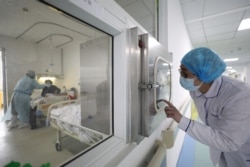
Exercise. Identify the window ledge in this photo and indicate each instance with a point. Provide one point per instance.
(110, 153)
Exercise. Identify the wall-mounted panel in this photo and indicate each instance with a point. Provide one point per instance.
(155, 83)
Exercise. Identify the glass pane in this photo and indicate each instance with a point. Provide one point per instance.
(156, 82)
(162, 90)
(163, 80)
(77, 58)
(96, 84)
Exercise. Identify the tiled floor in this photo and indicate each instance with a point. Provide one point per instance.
(194, 154)
(35, 147)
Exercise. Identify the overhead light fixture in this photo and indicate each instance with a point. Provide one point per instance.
(43, 78)
(229, 68)
(231, 59)
(232, 71)
(245, 24)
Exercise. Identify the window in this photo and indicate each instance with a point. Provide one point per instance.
(79, 58)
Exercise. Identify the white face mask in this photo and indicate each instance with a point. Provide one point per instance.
(188, 83)
(48, 85)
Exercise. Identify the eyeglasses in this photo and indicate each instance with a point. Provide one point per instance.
(185, 74)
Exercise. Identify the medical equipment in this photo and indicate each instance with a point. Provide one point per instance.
(66, 117)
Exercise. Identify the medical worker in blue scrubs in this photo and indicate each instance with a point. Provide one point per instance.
(223, 104)
(20, 103)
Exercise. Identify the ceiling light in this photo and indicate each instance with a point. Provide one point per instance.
(229, 68)
(232, 71)
(231, 59)
(43, 78)
(245, 24)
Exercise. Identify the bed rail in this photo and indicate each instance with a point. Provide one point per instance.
(81, 133)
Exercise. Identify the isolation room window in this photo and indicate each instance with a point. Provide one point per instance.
(77, 57)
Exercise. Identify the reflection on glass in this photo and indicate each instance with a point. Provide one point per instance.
(96, 84)
(162, 91)
(156, 79)
(163, 80)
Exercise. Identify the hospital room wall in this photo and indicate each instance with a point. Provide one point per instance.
(71, 67)
(22, 56)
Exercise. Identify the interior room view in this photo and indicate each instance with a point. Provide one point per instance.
(86, 83)
(76, 57)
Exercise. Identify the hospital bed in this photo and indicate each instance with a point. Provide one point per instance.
(39, 105)
(44, 103)
(66, 117)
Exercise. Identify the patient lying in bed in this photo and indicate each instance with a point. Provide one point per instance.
(70, 113)
(67, 118)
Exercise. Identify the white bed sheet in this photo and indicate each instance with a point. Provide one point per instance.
(70, 113)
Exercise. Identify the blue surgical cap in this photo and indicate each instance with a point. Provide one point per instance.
(204, 63)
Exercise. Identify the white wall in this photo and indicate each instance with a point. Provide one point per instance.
(178, 43)
(22, 56)
(71, 56)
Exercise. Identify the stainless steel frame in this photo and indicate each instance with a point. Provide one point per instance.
(155, 60)
(148, 62)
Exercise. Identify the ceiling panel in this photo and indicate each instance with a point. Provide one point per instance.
(219, 21)
(192, 9)
(223, 19)
(226, 28)
(217, 37)
(194, 26)
(245, 34)
(218, 6)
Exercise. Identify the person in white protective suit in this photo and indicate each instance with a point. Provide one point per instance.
(20, 102)
(223, 105)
